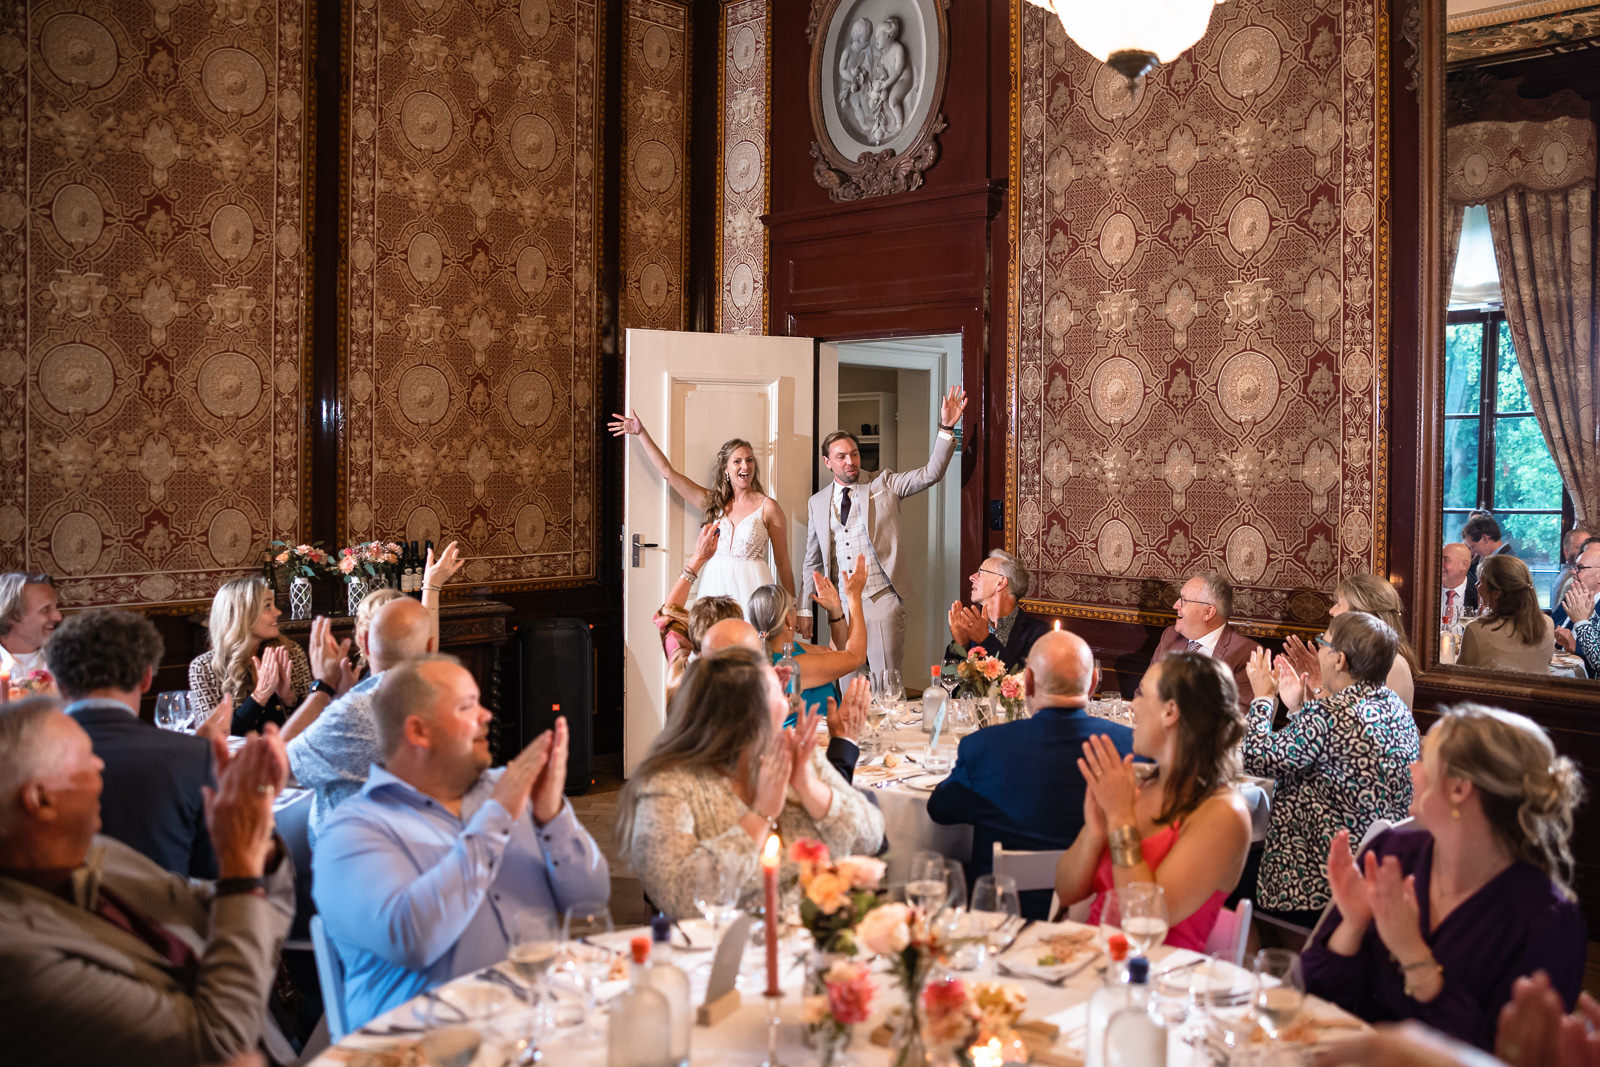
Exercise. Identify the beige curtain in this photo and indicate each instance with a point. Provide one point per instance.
(1454, 217)
(1538, 182)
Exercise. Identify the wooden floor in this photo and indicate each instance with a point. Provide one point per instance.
(597, 810)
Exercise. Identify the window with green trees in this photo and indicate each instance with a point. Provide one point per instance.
(1495, 457)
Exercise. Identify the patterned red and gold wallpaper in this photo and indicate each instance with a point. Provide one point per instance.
(742, 181)
(473, 210)
(151, 290)
(1199, 358)
(655, 174)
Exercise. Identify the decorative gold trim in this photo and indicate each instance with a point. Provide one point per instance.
(1014, 279)
(1513, 12)
(308, 270)
(722, 158)
(1382, 296)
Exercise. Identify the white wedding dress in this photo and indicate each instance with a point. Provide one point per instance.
(739, 566)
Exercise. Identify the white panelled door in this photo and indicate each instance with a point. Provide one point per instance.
(693, 391)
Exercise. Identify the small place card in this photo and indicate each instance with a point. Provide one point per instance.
(722, 996)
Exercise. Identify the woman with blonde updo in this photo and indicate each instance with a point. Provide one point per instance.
(1442, 916)
(249, 660)
(1512, 634)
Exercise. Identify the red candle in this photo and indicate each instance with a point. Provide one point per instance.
(770, 857)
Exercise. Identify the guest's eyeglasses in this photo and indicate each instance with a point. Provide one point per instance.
(992, 574)
(1190, 600)
(1586, 567)
(1323, 641)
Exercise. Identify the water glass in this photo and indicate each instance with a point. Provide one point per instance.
(927, 885)
(894, 690)
(1143, 910)
(591, 962)
(716, 894)
(996, 902)
(535, 943)
(1280, 989)
(175, 710)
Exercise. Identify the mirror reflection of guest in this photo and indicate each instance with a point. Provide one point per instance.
(1571, 544)
(1583, 636)
(1457, 594)
(1512, 634)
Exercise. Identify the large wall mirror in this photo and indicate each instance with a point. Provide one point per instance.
(1511, 102)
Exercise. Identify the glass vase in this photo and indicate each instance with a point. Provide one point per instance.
(300, 598)
(908, 1047)
(356, 589)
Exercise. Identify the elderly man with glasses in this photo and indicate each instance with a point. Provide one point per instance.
(995, 621)
(1581, 634)
(1204, 606)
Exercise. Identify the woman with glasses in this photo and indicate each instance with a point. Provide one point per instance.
(1340, 763)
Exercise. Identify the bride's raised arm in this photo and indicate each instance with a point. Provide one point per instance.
(692, 492)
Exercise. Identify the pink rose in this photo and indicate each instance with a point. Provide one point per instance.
(809, 852)
(1010, 687)
(977, 654)
(862, 872)
(304, 550)
(348, 565)
(948, 1012)
(850, 991)
(993, 668)
(886, 930)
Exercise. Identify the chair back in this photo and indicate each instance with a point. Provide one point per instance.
(330, 973)
(1230, 933)
(1030, 870)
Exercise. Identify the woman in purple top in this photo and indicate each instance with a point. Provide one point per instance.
(1445, 914)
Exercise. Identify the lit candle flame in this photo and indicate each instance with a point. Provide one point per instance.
(989, 1054)
(1058, 624)
(772, 852)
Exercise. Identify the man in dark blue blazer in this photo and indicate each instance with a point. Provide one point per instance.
(1018, 783)
(103, 662)
(995, 621)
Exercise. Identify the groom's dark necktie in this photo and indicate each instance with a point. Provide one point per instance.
(844, 509)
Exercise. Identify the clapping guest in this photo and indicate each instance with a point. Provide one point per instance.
(106, 957)
(249, 660)
(1187, 829)
(103, 662)
(334, 754)
(418, 877)
(1339, 763)
(1378, 598)
(30, 611)
(1512, 634)
(772, 612)
(1572, 543)
(1204, 606)
(1439, 920)
(996, 621)
(1582, 633)
(435, 573)
(721, 771)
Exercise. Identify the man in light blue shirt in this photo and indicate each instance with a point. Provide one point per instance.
(419, 876)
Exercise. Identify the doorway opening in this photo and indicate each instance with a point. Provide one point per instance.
(889, 394)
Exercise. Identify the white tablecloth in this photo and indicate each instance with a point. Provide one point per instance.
(742, 1036)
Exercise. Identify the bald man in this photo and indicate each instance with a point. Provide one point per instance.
(1018, 783)
(731, 633)
(333, 756)
(1458, 593)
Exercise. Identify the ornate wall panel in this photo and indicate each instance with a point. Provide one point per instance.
(742, 181)
(1199, 307)
(472, 214)
(655, 189)
(151, 292)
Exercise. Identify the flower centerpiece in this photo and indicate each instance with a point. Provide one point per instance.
(1013, 699)
(366, 566)
(834, 897)
(962, 1019)
(303, 563)
(979, 673)
(903, 935)
(35, 682)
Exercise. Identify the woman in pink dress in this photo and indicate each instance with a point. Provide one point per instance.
(1185, 828)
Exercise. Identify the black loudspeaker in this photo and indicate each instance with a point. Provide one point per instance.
(558, 679)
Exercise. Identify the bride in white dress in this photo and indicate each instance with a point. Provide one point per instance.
(748, 521)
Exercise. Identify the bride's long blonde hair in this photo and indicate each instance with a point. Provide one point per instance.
(720, 496)
(234, 611)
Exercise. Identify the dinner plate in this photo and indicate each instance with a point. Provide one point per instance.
(925, 782)
(1023, 958)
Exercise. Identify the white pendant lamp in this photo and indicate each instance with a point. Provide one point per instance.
(1132, 37)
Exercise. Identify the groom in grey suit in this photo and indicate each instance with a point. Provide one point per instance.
(847, 518)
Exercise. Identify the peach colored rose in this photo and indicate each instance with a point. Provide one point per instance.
(828, 891)
(885, 930)
(282, 557)
(348, 565)
(993, 668)
(862, 872)
(978, 653)
(814, 1009)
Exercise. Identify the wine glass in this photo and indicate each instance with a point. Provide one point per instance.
(928, 885)
(716, 893)
(1280, 989)
(174, 710)
(581, 924)
(535, 939)
(894, 690)
(996, 901)
(1143, 908)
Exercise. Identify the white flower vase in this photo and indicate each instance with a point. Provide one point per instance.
(356, 589)
(300, 598)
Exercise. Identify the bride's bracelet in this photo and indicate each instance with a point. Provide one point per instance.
(689, 575)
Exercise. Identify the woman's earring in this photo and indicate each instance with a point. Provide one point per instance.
(1455, 813)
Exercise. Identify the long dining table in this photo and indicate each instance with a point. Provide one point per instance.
(489, 1003)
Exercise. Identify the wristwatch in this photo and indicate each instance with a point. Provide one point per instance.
(229, 887)
(319, 686)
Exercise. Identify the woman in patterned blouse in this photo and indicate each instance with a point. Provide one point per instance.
(1340, 763)
(721, 772)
